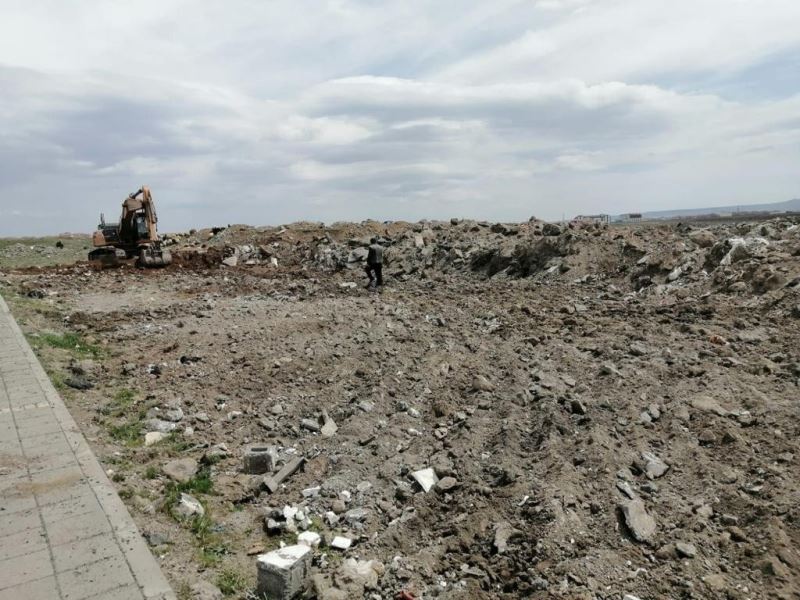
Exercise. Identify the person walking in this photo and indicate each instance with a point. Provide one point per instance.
(374, 266)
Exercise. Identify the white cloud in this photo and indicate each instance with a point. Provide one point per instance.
(267, 112)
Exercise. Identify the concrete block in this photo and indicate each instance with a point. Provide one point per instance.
(285, 573)
(260, 459)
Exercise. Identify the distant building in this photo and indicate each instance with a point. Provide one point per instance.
(634, 217)
(592, 219)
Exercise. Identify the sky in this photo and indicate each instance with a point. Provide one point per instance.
(267, 112)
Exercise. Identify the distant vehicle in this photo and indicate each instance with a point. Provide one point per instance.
(135, 236)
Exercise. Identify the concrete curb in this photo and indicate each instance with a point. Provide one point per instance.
(143, 566)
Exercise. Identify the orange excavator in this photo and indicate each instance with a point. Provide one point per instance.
(135, 236)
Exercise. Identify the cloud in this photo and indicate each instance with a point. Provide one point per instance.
(269, 112)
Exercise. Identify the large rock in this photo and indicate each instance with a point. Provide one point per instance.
(284, 573)
(641, 525)
(551, 229)
(160, 425)
(651, 465)
(481, 384)
(187, 507)
(181, 469)
(703, 238)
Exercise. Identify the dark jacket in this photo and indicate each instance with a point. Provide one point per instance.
(375, 255)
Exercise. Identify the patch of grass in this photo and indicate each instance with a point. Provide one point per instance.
(210, 556)
(201, 527)
(128, 433)
(230, 582)
(118, 477)
(57, 379)
(175, 444)
(125, 493)
(42, 251)
(120, 404)
(72, 342)
(199, 484)
(151, 472)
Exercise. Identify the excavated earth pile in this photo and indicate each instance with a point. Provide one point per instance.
(524, 411)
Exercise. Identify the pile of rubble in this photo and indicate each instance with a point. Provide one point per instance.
(738, 257)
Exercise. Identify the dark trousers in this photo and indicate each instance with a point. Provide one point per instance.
(375, 272)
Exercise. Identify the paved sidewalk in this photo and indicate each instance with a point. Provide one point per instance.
(64, 532)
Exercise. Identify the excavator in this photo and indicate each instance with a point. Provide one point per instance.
(135, 236)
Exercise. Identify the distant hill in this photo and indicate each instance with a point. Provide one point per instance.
(774, 207)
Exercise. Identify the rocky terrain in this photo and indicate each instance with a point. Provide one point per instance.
(524, 411)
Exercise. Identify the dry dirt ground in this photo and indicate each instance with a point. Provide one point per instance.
(608, 411)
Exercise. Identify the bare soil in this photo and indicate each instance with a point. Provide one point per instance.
(549, 381)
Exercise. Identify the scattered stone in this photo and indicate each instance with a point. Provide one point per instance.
(356, 516)
(737, 535)
(153, 437)
(188, 506)
(640, 524)
(504, 532)
(426, 478)
(551, 229)
(160, 425)
(78, 382)
(271, 484)
(181, 470)
(481, 384)
(577, 407)
(203, 590)
(652, 466)
(329, 427)
(686, 550)
(708, 404)
(445, 484)
(156, 539)
(341, 543)
(285, 573)
(309, 538)
(310, 425)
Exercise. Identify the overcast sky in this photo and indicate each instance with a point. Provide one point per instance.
(264, 112)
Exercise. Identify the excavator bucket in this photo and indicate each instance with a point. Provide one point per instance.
(154, 258)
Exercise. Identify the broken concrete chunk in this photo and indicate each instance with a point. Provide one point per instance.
(329, 427)
(274, 482)
(259, 459)
(426, 478)
(309, 538)
(285, 573)
(341, 543)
